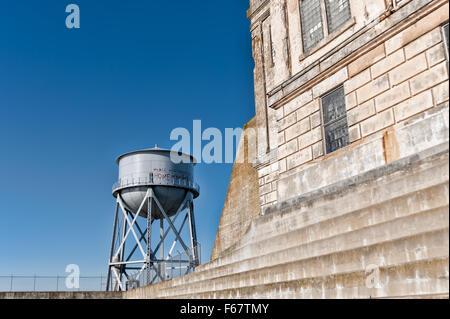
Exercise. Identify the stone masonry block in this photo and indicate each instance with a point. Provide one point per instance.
(436, 54)
(408, 69)
(261, 181)
(280, 113)
(274, 167)
(317, 149)
(372, 89)
(310, 138)
(298, 102)
(264, 171)
(299, 158)
(298, 129)
(431, 21)
(361, 112)
(330, 83)
(388, 63)
(308, 109)
(414, 105)
(265, 189)
(429, 78)
(282, 165)
(357, 81)
(377, 122)
(287, 149)
(424, 42)
(287, 121)
(366, 60)
(271, 177)
(280, 139)
(354, 133)
(274, 185)
(262, 200)
(315, 120)
(271, 197)
(392, 97)
(350, 101)
(440, 93)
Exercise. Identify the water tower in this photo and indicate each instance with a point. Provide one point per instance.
(155, 187)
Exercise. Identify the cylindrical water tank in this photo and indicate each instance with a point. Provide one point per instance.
(171, 181)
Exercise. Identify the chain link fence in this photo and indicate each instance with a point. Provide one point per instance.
(18, 283)
(175, 265)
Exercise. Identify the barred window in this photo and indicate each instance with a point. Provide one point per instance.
(338, 12)
(319, 18)
(312, 25)
(335, 120)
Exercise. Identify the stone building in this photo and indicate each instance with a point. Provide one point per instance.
(338, 81)
(346, 194)
(345, 191)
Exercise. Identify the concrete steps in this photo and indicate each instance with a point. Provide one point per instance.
(323, 245)
(321, 213)
(433, 220)
(347, 285)
(323, 265)
(342, 224)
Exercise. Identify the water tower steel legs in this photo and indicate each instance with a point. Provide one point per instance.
(193, 232)
(113, 241)
(149, 234)
(118, 265)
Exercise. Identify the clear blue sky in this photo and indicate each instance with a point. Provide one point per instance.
(71, 101)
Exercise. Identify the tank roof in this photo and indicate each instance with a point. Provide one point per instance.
(155, 149)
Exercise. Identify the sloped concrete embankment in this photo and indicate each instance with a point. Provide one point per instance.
(383, 233)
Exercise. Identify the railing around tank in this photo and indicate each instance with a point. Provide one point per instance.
(154, 180)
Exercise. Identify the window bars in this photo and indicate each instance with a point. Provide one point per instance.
(338, 12)
(312, 25)
(320, 18)
(335, 120)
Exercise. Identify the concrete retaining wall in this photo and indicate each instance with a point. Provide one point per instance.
(389, 223)
(61, 295)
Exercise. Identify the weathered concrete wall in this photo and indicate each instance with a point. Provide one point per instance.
(391, 70)
(61, 295)
(242, 200)
(419, 133)
(325, 244)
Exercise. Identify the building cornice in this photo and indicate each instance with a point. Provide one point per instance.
(355, 46)
(254, 11)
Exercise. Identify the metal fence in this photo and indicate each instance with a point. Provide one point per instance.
(173, 266)
(50, 283)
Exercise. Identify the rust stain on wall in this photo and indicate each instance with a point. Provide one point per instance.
(390, 144)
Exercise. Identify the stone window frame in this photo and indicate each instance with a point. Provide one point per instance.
(272, 49)
(322, 118)
(325, 28)
(445, 40)
(269, 61)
